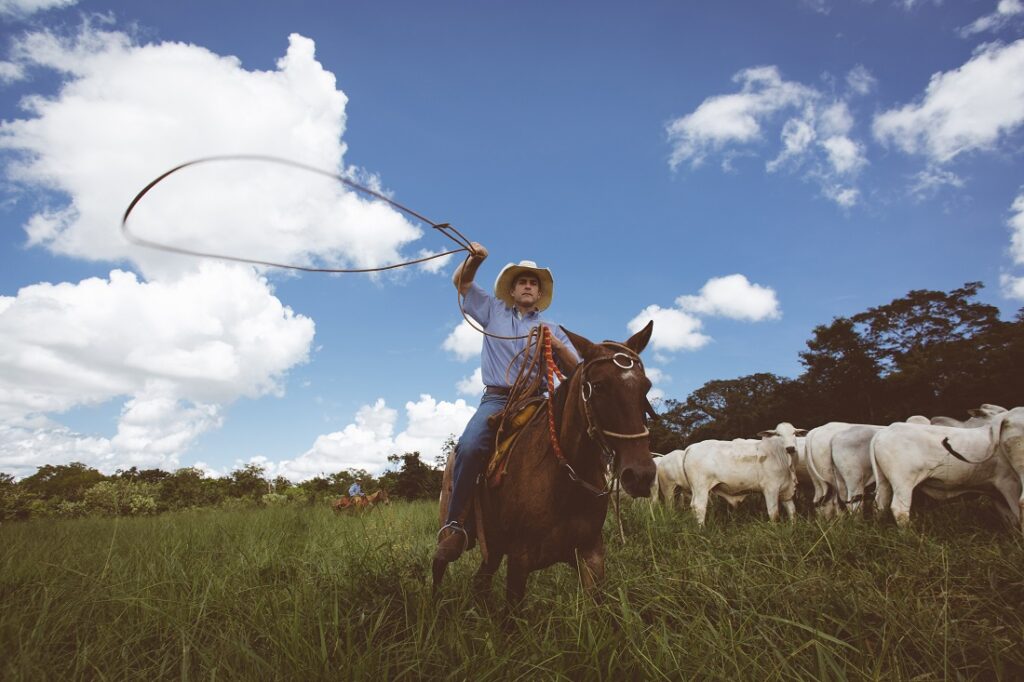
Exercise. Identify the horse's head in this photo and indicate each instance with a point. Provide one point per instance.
(613, 388)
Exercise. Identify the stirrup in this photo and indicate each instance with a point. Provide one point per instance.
(457, 527)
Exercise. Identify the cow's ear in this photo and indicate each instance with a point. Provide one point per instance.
(767, 434)
(584, 347)
(638, 341)
(801, 432)
(975, 412)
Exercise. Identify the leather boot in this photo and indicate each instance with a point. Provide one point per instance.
(451, 542)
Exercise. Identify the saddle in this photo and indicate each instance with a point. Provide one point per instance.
(510, 423)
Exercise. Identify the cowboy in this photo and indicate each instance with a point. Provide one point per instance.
(521, 292)
(355, 490)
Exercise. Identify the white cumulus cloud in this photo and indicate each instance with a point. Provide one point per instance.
(860, 81)
(734, 118)
(473, 385)
(175, 351)
(732, 296)
(816, 136)
(967, 109)
(1013, 287)
(1006, 10)
(125, 113)
(23, 8)
(674, 330)
(366, 443)
(464, 341)
(680, 328)
(1016, 223)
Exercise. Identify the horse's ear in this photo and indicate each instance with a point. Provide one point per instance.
(638, 341)
(584, 347)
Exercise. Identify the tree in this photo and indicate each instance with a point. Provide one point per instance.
(249, 482)
(143, 476)
(189, 487)
(62, 481)
(842, 375)
(414, 480)
(933, 350)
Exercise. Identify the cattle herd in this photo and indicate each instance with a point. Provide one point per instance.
(941, 456)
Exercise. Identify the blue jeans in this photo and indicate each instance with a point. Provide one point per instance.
(472, 452)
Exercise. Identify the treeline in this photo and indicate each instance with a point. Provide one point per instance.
(929, 353)
(75, 489)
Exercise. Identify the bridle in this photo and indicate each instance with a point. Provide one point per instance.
(625, 359)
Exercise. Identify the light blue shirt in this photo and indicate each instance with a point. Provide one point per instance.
(354, 490)
(497, 318)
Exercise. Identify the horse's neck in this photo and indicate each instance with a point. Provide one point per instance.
(582, 453)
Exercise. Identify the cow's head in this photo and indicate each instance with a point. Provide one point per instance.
(788, 433)
(986, 410)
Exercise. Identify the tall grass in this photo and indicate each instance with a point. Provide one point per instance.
(289, 593)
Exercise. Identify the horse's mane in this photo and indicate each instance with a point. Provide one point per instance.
(561, 394)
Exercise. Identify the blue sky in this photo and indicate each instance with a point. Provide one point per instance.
(739, 172)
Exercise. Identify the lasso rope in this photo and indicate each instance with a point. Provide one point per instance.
(444, 228)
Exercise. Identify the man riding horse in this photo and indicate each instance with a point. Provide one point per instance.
(521, 293)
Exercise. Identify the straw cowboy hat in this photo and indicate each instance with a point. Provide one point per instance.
(508, 275)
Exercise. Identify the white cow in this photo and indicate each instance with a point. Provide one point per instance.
(819, 464)
(1011, 441)
(734, 469)
(979, 416)
(905, 456)
(670, 474)
(851, 460)
(803, 476)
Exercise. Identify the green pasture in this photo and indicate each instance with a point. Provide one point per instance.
(294, 593)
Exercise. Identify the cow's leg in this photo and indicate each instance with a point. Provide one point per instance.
(771, 501)
(883, 495)
(790, 508)
(590, 565)
(1010, 490)
(842, 491)
(515, 580)
(900, 506)
(699, 504)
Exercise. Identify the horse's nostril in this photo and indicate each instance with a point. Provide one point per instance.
(637, 484)
(791, 450)
(628, 478)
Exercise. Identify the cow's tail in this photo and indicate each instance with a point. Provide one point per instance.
(876, 471)
(829, 490)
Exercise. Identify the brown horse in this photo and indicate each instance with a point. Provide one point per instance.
(548, 510)
(359, 502)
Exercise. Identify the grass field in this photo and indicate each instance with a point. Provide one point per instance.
(298, 593)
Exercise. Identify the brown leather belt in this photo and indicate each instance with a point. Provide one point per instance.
(497, 390)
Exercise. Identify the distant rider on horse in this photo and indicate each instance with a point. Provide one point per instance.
(521, 292)
(355, 490)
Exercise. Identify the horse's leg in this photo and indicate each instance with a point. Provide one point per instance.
(515, 581)
(439, 568)
(485, 574)
(590, 565)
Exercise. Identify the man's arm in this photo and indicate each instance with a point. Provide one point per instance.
(565, 355)
(465, 273)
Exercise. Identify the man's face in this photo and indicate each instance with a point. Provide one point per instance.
(526, 291)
